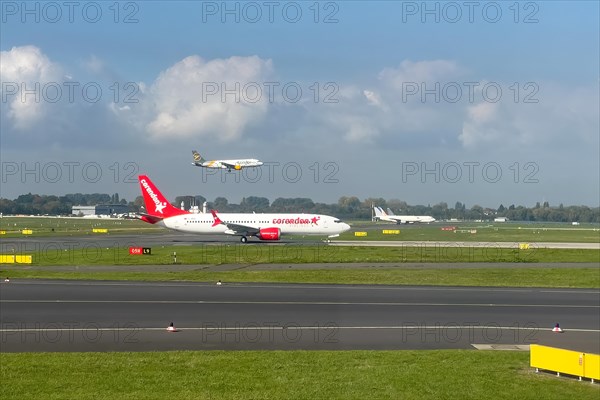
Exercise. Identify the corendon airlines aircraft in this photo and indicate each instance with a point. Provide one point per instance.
(199, 161)
(263, 226)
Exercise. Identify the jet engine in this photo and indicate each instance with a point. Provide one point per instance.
(269, 234)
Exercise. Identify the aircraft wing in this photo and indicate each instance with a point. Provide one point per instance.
(229, 165)
(235, 229)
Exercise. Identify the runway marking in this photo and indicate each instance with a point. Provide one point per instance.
(501, 347)
(570, 291)
(296, 327)
(242, 285)
(320, 303)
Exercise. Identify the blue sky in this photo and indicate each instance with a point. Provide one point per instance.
(385, 109)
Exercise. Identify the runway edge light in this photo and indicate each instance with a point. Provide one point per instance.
(171, 328)
(557, 328)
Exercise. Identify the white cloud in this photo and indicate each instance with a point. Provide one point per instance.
(561, 118)
(24, 71)
(482, 125)
(374, 99)
(420, 71)
(384, 112)
(215, 98)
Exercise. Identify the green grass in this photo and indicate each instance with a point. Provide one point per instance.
(485, 232)
(92, 254)
(68, 226)
(439, 374)
(502, 277)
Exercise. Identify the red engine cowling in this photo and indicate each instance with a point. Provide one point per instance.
(269, 234)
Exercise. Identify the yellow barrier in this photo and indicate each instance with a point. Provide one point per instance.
(6, 259)
(100, 230)
(391, 231)
(27, 232)
(360, 233)
(565, 361)
(23, 259)
(523, 246)
(592, 366)
(2, 232)
(11, 259)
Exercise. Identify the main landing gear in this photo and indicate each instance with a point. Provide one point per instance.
(243, 239)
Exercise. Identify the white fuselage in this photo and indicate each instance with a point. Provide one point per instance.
(228, 164)
(289, 224)
(408, 219)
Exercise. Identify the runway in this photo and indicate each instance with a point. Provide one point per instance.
(167, 238)
(44, 315)
(439, 244)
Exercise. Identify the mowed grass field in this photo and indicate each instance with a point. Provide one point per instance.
(465, 231)
(439, 374)
(87, 254)
(490, 277)
(72, 226)
(477, 232)
(205, 255)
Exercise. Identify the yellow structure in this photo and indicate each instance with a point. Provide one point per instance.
(360, 233)
(100, 230)
(523, 246)
(23, 259)
(2, 232)
(7, 259)
(11, 259)
(391, 231)
(27, 232)
(569, 362)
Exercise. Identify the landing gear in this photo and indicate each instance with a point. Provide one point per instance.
(243, 239)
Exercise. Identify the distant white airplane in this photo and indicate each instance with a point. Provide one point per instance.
(264, 226)
(401, 219)
(199, 161)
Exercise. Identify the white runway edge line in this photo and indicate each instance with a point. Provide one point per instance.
(316, 303)
(298, 286)
(457, 245)
(290, 327)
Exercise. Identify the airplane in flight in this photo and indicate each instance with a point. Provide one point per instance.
(237, 165)
(401, 219)
(263, 226)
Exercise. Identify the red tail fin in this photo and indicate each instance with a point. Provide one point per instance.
(156, 204)
(217, 220)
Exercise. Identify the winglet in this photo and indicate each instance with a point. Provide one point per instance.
(217, 220)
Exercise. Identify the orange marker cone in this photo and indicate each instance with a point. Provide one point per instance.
(171, 328)
(557, 328)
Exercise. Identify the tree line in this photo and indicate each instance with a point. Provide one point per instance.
(35, 204)
(347, 207)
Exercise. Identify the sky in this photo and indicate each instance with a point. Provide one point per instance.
(485, 103)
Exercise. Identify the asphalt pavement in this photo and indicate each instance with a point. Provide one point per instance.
(58, 316)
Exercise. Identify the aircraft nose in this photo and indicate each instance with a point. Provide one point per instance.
(346, 227)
